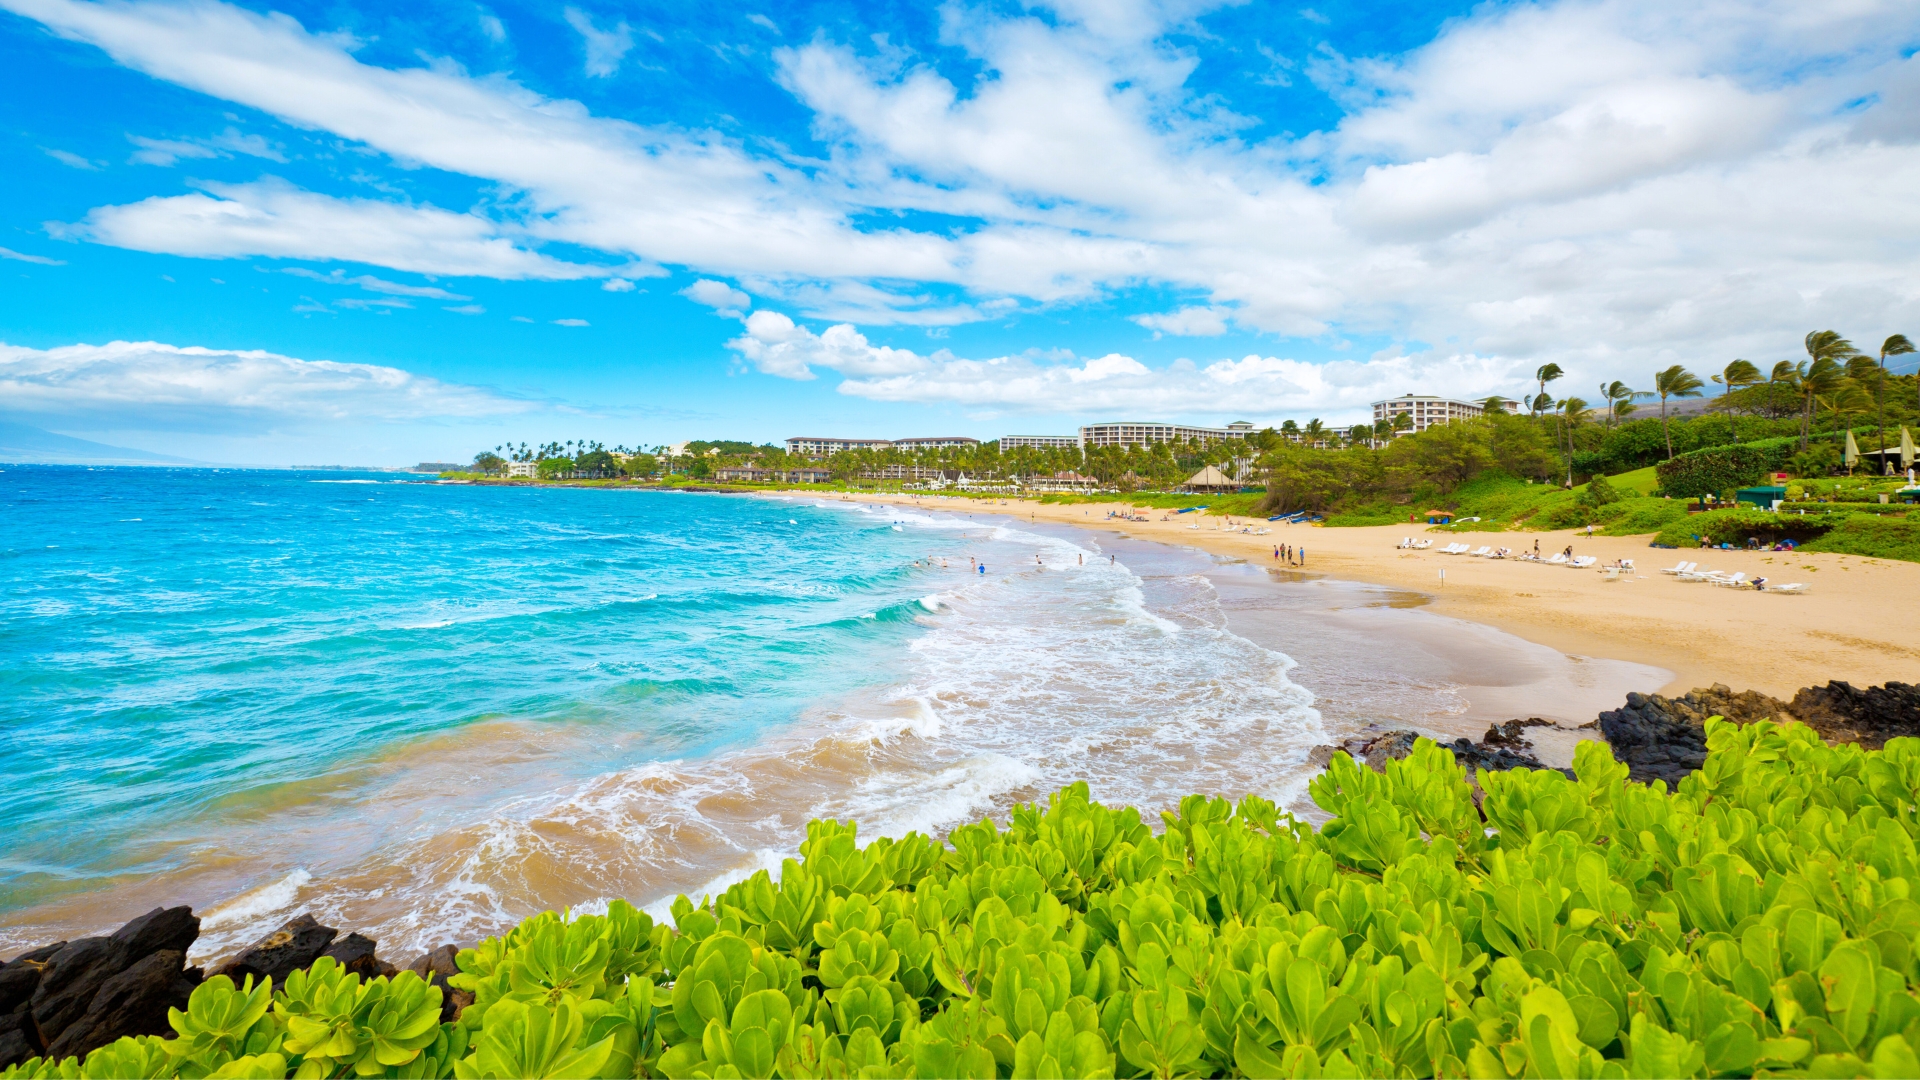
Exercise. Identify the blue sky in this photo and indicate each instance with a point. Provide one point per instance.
(302, 232)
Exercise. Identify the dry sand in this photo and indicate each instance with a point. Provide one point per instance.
(1859, 620)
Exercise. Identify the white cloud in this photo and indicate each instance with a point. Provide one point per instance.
(618, 284)
(1612, 184)
(1207, 321)
(164, 152)
(374, 284)
(1032, 383)
(762, 21)
(570, 322)
(491, 26)
(9, 253)
(69, 158)
(718, 295)
(604, 47)
(146, 383)
(274, 219)
(467, 309)
(776, 346)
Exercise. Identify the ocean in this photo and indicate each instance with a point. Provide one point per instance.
(426, 711)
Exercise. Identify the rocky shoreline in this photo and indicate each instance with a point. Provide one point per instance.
(71, 997)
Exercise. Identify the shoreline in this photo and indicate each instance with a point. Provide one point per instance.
(1855, 624)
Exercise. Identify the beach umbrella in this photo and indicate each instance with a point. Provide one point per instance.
(1853, 450)
(1906, 447)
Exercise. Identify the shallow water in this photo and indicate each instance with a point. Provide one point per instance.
(425, 712)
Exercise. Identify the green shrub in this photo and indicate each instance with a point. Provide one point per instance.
(1757, 920)
(1631, 517)
(1723, 469)
(1370, 514)
(1733, 526)
(1883, 537)
(1818, 459)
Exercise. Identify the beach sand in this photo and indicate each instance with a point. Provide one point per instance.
(1859, 620)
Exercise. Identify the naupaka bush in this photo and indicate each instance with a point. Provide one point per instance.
(1758, 920)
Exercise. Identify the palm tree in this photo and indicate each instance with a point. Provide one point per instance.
(1494, 406)
(1314, 431)
(1619, 398)
(1573, 411)
(1545, 374)
(1678, 382)
(1897, 345)
(1738, 374)
(1828, 351)
(1403, 421)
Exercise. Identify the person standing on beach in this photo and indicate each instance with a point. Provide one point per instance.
(1276, 552)
(1303, 556)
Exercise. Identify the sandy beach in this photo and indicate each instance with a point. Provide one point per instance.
(1857, 622)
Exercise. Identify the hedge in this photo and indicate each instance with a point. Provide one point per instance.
(1722, 469)
(1756, 920)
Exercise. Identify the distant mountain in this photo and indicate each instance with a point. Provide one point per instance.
(24, 444)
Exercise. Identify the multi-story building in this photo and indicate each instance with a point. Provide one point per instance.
(1426, 411)
(811, 446)
(1042, 442)
(1141, 433)
(937, 442)
(523, 469)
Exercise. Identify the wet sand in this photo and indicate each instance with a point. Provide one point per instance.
(1858, 621)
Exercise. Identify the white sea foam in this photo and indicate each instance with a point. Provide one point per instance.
(252, 906)
(343, 481)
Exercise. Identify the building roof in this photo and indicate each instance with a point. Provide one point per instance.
(1210, 477)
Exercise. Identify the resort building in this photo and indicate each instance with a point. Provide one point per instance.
(1041, 442)
(938, 442)
(1145, 433)
(1427, 411)
(813, 446)
(523, 469)
(1061, 481)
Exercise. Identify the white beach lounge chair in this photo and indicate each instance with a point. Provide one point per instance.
(1581, 562)
(1559, 559)
(1684, 567)
(1795, 587)
(1735, 581)
(1422, 545)
(1485, 550)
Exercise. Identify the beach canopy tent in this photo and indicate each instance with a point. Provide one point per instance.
(1439, 517)
(1209, 479)
(1889, 458)
(1763, 497)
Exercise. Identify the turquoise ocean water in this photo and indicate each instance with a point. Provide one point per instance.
(427, 710)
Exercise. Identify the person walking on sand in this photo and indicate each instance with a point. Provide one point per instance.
(1276, 553)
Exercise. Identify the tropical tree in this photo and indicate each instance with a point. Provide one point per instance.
(1572, 412)
(1674, 382)
(1545, 374)
(1735, 376)
(1828, 353)
(1897, 345)
(1494, 406)
(1314, 431)
(1619, 398)
(1402, 421)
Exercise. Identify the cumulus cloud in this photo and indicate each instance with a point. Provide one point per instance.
(1612, 184)
(154, 385)
(1207, 321)
(1035, 383)
(719, 295)
(275, 219)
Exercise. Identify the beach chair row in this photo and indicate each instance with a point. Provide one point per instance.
(1690, 571)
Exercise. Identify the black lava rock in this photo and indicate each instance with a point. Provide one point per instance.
(287, 950)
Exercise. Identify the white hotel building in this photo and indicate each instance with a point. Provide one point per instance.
(1127, 433)
(815, 447)
(1427, 411)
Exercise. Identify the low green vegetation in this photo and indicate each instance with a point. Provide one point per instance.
(1881, 537)
(1758, 920)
